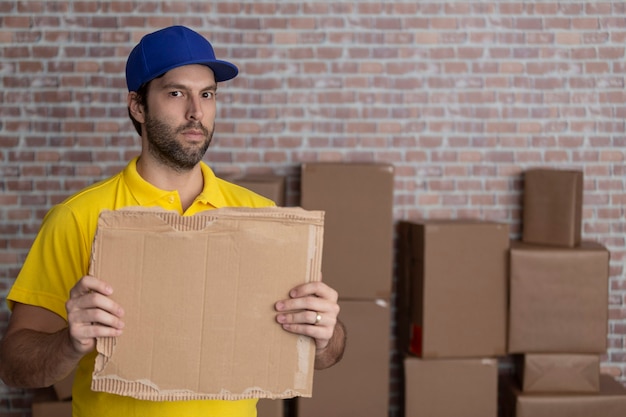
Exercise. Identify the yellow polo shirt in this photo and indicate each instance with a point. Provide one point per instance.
(60, 256)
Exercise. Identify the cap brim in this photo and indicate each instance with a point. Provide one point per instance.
(222, 70)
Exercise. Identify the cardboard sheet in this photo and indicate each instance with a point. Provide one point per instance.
(199, 294)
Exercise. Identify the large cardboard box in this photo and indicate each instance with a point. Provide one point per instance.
(269, 186)
(610, 401)
(558, 298)
(559, 372)
(552, 207)
(453, 282)
(46, 404)
(199, 294)
(359, 384)
(358, 240)
(451, 387)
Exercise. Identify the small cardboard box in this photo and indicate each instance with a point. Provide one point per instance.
(198, 293)
(52, 409)
(451, 387)
(552, 207)
(558, 298)
(63, 388)
(610, 401)
(453, 287)
(45, 404)
(358, 240)
(269, 186)
(559, 372)
(359, 384)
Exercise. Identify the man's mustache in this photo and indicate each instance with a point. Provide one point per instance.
(194, 126)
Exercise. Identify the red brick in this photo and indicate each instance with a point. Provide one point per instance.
(16, 21)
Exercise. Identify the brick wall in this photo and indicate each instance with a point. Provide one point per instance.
(461, 97)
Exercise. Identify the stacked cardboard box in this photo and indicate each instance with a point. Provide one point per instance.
(55, 401)
(452, 297)
(558, 306)
(270, 186)
(609, 401)
(358, 263)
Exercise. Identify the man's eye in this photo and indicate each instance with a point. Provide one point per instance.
(209, 95)
(176, 93)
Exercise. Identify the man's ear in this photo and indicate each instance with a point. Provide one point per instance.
(135, 108)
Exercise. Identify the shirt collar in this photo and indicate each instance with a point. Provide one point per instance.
(148, 195)
(211, 192)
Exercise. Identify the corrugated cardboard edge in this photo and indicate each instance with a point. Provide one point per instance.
(146, 390)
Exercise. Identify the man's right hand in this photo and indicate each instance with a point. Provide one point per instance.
(39, 348)
(91, 313)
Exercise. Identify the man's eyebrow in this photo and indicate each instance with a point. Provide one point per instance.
(210, 87)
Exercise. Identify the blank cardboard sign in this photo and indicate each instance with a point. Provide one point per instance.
(198, 294)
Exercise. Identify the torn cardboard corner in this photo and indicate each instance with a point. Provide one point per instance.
(198, 294)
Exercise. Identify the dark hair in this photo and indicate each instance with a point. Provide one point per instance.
(142, 99)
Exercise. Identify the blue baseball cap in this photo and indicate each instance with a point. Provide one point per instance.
(169, 48)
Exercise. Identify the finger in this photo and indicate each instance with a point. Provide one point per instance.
(321, 334)
(91, 316)
(318, 289)
(92, 331)
(310, 317)
(308, 303)
(93, 300)
(84, 335)
(88, 284)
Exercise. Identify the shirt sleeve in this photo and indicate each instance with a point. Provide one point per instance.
(58, 258)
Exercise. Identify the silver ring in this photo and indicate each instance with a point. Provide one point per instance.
(318, 318)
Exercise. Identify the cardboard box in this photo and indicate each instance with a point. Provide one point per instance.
(558, 298)
(358, 241)
(269, 186)
(45, 404)
(63, 388)
(609, 402)
(404, 262)
(559, 372)
(454, 285)
(270, 408)
(52, 409)
(359, 384)
(552, 207)
(199, 293)
(451, 387)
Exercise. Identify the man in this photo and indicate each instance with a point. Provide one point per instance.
(172, 77)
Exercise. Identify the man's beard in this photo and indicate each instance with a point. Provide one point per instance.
(163, 146)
